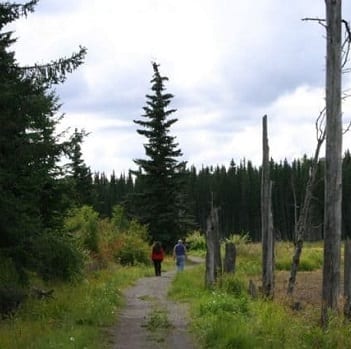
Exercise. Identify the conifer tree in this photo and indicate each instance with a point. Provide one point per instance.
(79, 173)
(31, 190)
(159, 200)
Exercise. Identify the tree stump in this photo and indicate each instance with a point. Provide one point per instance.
(229, 257)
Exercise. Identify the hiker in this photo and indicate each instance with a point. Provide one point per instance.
(157, 256)
(179, 253)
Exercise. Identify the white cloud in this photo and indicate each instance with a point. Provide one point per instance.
(228, 62)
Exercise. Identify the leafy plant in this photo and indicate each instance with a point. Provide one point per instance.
(83, 223)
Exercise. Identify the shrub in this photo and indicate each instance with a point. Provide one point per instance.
(131, 250)
(58, 257)
(12, 290)
(196, 241)
(119, 218)
(83, 223)
(131, 247)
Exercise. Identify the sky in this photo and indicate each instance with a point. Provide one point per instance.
(228, 63)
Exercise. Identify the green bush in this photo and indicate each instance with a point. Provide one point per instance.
(58, 257)
(132, 250)
(196, 241)
(119, 219)
(12, 289)
(83, 222)
(132, 246)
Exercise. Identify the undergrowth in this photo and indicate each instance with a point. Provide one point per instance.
(228, 317)
(75, 317)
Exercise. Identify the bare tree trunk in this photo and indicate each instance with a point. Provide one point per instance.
(229, 257)
(266, 220)
(347, 279)
(333, 175)
(213, 253)
(301, 224)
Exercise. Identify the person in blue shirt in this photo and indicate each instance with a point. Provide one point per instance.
(179, 254)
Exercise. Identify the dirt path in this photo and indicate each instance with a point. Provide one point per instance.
(150, 320)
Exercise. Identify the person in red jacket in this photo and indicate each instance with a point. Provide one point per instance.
(157, 256)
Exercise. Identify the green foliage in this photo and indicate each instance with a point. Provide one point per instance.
(12, 289)
(57, 257)
(133, 247)
(33, 193)
(119, 218)
(311, 258)
(233, 285)
(159, 198)
(133, 250)
(196, 241)
(239, 239)
(77, 316)
(227, 317)
(83, 223)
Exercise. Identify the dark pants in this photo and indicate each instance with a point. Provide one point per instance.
(157, 265)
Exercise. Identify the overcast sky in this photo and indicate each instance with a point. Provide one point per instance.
(229, 62)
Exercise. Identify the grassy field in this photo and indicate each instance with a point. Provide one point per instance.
(81, 315)
(227, 317)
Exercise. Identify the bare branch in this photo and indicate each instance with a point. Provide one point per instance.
(320, 125)
(347, 129)
(315, 19)
(347, 28)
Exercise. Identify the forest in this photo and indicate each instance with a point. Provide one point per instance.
(236, 191)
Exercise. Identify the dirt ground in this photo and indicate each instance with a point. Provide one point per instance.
(150, 320)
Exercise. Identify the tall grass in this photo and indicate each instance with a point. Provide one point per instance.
(227, 317)
(75, 318)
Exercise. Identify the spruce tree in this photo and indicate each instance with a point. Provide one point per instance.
(160, 201)
(80, 177)
(32, 193)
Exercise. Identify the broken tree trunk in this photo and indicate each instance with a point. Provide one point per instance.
(266, 220)
(213, 254)
(333, 163)
(229, 257)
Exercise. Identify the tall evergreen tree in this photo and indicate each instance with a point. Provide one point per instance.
(80, 176)
(31, 190)
(160, 202)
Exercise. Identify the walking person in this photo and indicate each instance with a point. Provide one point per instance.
(179, 253)
(157, 256)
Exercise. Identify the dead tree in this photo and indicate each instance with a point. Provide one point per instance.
(266, 220)
(213, 251)
(301, 224)
(229, 257)
(333, 162)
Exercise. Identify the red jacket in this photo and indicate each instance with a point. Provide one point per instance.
(157, 256)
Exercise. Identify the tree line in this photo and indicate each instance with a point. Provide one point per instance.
(235, 190)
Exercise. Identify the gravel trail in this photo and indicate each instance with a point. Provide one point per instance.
(150, 320)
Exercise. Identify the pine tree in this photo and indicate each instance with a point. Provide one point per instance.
(160, 179)
(32, 197)
(79, 173)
